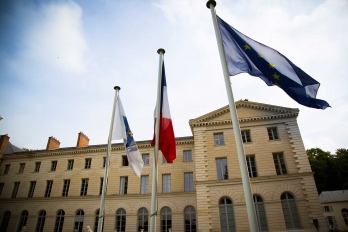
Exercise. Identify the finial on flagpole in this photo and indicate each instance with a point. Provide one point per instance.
(117, 88)
(211, 2)
(161, 50)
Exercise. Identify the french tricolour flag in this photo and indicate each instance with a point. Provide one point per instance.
(121, 130)
(167, 142)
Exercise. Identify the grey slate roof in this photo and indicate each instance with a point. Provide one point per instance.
(333, 196)
(10, 148)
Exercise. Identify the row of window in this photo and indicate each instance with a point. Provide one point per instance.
(331, 220)
(226, 211)
(278, 158)
(144, 186)
(88, 162)
(246, 137)
(120, 222)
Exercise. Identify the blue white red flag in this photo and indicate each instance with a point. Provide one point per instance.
(167, 143)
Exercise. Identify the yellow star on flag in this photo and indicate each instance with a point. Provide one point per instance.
(130, 133)
(246, 47)
(271, 65)
(276, 76)
(259, 55)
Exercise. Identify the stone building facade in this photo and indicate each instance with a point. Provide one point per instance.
(58, 189)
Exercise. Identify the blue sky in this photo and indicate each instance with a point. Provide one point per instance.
(60, 60)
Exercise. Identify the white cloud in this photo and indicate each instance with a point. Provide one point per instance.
(55, 38)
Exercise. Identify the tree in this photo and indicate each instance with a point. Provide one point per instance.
(330, 170)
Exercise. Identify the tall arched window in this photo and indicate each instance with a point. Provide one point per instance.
(291, 217)
(344, 212)
(226, 215)
(143, 219)
(96, 221)
(22, 221)
(260, 213)
(41, 221)
(166, 219)
(5, 220)
(190, 219)
(79, 218)
(121, 220)
(58, 226)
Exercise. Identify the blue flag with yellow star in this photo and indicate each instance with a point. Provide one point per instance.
(244, 55)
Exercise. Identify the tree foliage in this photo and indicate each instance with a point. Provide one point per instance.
(330, 170)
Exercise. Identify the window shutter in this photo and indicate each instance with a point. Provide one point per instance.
(331, 210)
(334, 221)
(327, 222)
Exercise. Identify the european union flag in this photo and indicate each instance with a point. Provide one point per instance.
(244, 55)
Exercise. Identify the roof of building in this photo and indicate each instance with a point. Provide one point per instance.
(333, 196)
(10, 148)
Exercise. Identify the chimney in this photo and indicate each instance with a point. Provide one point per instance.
(52, 143)
(3, 143)
(82, 140)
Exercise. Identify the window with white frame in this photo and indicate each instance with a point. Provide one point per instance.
(84, 187)
(246, 136)
(188, 156)
(272, 133)
(37, 166)
(22, 221)
(146, 158)
(15, 189)
(54, 165)
(219, 139)
(279, 163)
(123, 185)
(58, 226)
(291, 217)
(66, 186)
(144, 185)
(251, 164)
(79, 218)
(143, 220)
(221, 168)
(41, 221)
(7, 168)
(166, 219)
(101, 185)
(166, 179)
(121, 220)
(188, 182)
(70, 164)
(21, 168)
(260, 213)
(227, 221)
(88, 162)
(31, 189)
(190, 219)
(327, 208)
(48, 188)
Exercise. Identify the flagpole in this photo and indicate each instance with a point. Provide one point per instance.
(107, 163)
(154, 200)
(235, 124)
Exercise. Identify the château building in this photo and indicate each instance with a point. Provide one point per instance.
(59, 189)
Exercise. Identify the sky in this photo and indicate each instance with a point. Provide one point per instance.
(60, 61)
